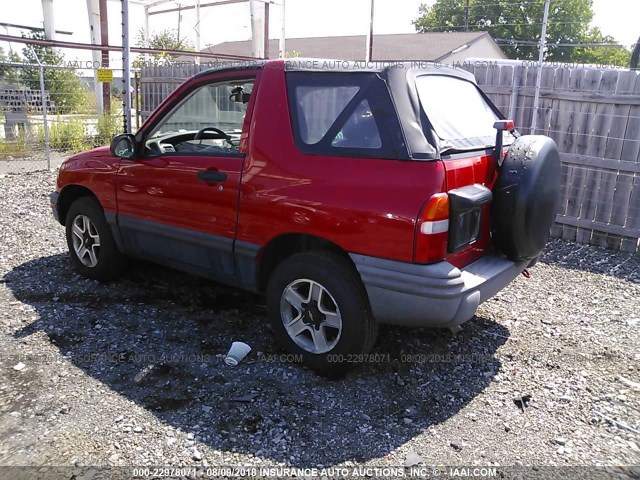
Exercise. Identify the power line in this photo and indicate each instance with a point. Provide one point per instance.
(439, 28)
(516, 3)
(499, 24)
(532, 43)
(481, 25)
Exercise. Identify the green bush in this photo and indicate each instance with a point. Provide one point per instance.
(109, 125)
(68, 136)
(66, 90)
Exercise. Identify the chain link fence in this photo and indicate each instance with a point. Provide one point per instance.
(48, 113)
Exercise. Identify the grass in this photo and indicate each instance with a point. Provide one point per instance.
(66, 135)
(108, 126)
(22, 146)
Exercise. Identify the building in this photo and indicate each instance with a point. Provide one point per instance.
(437, 47)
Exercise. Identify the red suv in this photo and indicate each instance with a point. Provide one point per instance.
(349, 195)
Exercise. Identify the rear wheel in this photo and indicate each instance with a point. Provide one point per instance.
(93, 250)
(319, 309)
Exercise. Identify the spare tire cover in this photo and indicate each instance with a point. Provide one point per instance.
(525, 197)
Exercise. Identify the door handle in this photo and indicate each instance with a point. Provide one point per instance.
(211, 176)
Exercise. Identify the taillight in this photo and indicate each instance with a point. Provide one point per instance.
(432, 230)
(449, 222)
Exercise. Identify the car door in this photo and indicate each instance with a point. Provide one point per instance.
(178, 202)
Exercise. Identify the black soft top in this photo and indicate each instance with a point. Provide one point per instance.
(329, 65)
(420, 140)
(383, 67)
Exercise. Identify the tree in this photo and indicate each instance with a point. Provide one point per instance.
(167, 39)
(65, 89)
(8, 73)
(601, 55)
(516, 25)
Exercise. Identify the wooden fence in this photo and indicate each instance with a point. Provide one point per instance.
(593, 115)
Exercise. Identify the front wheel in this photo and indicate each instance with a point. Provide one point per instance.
(319, 309)
(93, 250)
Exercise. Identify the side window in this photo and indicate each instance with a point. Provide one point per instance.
(318, 107)
(208, 121)
(343, 114)
(360, 130)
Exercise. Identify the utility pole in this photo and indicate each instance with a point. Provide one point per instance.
(543, 45)
(179, 21)
(146, 26)
(256, 11)
(283, 35)
(266, 30)
(197, 29)
(96, 55)
(49, 23)
(126, 66)
(104, 40)
(369, 49)
(466, 17)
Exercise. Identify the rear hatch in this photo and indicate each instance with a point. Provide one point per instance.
(461, 118)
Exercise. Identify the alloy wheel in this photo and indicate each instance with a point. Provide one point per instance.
(86, 240)
(311, 316)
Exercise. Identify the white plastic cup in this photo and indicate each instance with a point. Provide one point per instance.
(237, 352)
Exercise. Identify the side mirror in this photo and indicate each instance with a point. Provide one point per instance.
(123, 146)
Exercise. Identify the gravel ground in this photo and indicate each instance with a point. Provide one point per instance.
(131, 372)
(33, 163)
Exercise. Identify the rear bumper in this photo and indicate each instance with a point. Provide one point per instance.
(435, 295)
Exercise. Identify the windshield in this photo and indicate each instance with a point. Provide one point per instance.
(460, 116)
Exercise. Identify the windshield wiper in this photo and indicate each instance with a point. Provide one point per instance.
(453, 150)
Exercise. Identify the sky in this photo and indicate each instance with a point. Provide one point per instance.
(304, 18)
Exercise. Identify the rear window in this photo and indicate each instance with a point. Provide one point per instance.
(459, 114)
(343, 114)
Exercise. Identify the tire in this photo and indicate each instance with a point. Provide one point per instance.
(526, 197)
(342, 317)
(85, 226)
